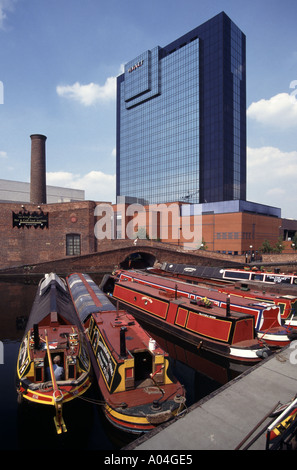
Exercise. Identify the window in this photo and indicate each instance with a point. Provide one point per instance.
(72, 244)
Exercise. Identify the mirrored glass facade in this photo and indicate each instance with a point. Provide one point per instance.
(181, 128)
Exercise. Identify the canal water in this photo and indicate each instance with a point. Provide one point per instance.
(31, 426)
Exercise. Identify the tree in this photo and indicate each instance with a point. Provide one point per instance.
(294, 242)
(279, 247)
(203, 245)
(266, 247)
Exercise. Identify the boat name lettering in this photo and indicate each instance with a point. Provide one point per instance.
(105, 362)
(205, 315)
(278, 279)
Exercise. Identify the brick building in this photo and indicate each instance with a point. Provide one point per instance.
(33, 234)
(36, 231)
(234, 227)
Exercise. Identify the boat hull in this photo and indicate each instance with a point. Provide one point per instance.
(134, 402)
(267, 316)
(231, 337)
(42, 392)
(53, 342)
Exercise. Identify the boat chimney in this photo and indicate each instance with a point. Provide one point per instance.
(37, 182)
(36, 336)
(228, 306)
(123, 350)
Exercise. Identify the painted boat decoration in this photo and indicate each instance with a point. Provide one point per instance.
(283, 425)
(266, 277)
(267, 316)
(287, 303)
(53, 365)
(231, 274)
(220, 331)
(132, 371)
(271, 293)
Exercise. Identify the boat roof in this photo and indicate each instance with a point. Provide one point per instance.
(214, 294)
(109, 319)
(213, 310)
(52, 296)
(195, 271)
(87, 301)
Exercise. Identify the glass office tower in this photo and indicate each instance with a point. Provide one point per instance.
(181, 119)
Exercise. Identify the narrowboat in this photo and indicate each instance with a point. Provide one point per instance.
(257, 275)
(132, 371)
(53, 365)
(211, 328)
(267, 316)
(284, 295)
(231, 274)
(287, 303)
(283, 426)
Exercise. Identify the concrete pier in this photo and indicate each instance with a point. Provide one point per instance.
(222, 420)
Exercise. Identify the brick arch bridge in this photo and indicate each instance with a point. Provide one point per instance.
(125, 254)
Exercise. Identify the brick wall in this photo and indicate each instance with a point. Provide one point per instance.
(19, 246)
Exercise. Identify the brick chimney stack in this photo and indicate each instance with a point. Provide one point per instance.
(38, 183)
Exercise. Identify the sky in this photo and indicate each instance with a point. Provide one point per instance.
(59, 60)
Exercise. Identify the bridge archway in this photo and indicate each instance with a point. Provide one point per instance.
(138, 260)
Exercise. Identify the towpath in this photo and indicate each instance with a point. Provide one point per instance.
(224, 419)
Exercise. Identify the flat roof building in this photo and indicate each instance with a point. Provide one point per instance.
(181, 118)
(18, 191)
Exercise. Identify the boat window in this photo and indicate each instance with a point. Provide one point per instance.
(257, 277)
(236, 275)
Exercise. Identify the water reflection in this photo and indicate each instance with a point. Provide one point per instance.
(30, 426)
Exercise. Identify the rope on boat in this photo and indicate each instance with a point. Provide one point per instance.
(92, 400)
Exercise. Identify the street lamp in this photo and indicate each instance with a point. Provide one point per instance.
(252, 254)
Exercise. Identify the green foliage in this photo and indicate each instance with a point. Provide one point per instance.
(266, 246)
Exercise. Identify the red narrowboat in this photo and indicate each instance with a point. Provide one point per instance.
(242, 283)
(220, 331)
(132, 371)
(267, 316)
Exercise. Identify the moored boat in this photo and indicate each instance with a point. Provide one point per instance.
(230, 274)
(267, 316)
(283, 426)
(53, 365)
(132, 371)
(221, 331)
(250, 284)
